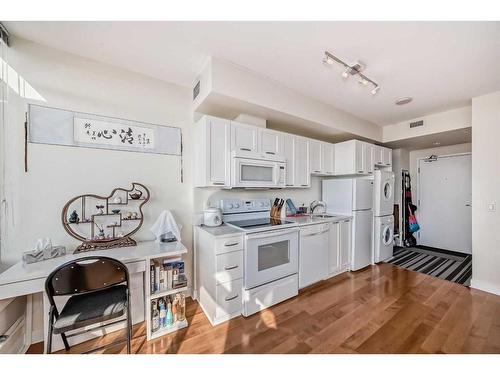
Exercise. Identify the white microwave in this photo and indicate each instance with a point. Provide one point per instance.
(257, 173)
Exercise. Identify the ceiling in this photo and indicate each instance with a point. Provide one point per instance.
(441, 64)
(447, 138)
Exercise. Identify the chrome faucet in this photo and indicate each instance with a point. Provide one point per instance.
(315, 204)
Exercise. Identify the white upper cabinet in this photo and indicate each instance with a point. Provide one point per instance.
(327, 158)
(296, 154)
(377, 155)
(367, 158)
(386, 157)
(244, 139)
(212, 152)
(271, 144)
(302, 171)
(289, 145)
(315, 156)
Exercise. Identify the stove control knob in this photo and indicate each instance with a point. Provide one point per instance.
(237, 205)
(262, 204)
(230, 205)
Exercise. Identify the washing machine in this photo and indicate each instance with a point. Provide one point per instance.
(384, 237)
(383, 193)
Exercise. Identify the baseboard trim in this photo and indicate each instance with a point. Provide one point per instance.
(485, 286)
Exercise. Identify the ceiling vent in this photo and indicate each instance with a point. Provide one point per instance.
(416, 124)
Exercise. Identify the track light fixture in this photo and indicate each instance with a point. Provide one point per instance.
(352, 70)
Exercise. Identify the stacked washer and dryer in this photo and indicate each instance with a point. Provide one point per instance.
(383, 208)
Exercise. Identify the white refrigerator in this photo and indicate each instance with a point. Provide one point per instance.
(353, 197)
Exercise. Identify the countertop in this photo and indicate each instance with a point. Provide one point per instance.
(40, 270)
(227, 230)
(221, 231)
(308, 220)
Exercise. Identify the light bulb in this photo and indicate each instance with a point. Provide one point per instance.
(363, 81)
(328, 60)
(375, 90)
(345, 73)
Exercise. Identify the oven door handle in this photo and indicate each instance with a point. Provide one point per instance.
(272, 233)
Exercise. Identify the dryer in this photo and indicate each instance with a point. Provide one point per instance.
(384, 236)
(383, 193)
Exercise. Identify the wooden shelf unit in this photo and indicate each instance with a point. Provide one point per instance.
(149, 297)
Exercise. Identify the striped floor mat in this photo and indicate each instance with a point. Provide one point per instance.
(454, 267)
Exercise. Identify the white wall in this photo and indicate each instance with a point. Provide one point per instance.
(422, 154)
(485, 191)
(57, 173)
(435, 123)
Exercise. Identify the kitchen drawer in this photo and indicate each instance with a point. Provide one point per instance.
(229, 298)
(229, 267)
(228, 244)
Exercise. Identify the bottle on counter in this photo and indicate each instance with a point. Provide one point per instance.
(169, 317)
(181, 307)
(163, 312)
(155, 317)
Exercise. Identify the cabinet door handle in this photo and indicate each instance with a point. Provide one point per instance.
(231, 267)
(387, 163)
(231, 298)
(317, 171)
(360, 171)
(231, 244)
(244, 149)
(218, 183)
(270, 153)
(289, 184)
(304, 185)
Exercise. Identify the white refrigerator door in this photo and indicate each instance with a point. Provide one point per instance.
(337, 194)
(362, 194)
(362, 235)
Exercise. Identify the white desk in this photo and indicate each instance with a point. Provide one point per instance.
(20, 280)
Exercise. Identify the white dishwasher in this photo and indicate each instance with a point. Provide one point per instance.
(313, 254)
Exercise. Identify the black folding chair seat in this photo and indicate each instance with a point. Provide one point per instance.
(99, 292)
(83, 310)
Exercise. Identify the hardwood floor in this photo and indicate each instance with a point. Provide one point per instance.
(382, 309)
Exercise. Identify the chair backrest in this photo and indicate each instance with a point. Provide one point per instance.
(85, 275)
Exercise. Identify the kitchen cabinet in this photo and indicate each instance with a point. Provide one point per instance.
(313, 254)
(212, 152)
(327, 158)
(219, 275)
(367, 158)
(387, 157)
(345, 243)
(349, 158)
(296, 154)
(377, 153)
(302, 171)
(244, 139)
(315, 156)
(271, 144)
(339, 247)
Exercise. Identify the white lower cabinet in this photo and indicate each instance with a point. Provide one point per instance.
(339, 246)
(219, 275)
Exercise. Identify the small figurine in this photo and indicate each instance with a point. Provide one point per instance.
(134, 215)
(117, 200)
(136, 195)
(101, 235)
(116, 212)
(73, 218)
(100, 207)
(129, 215)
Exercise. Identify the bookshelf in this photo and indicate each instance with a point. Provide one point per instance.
(167, 293)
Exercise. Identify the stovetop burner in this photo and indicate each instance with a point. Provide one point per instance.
(258, 223)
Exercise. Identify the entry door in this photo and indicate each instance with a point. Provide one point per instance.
(445, 212)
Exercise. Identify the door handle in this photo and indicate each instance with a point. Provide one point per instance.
(230, 267)
(270, 153)
(231, 298)
(468, 205)
(231, 244)
(244, 149)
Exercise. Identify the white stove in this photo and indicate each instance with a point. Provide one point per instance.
(271, 253)
(252, 215)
